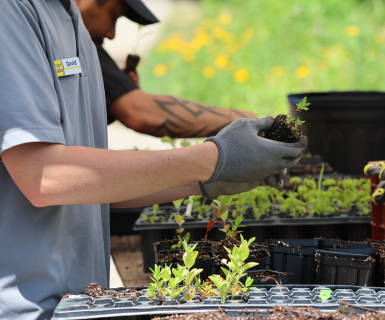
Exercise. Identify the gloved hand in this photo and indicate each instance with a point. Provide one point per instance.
(220, 188)
(246, 157)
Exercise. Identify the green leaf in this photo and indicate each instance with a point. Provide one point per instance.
(249, 265)
(185, 143)
(238, 220)
(295, 180)
(189, 259)
(244, 252)
(177, 203)
(225, 271)
(155, 208)
(291, 119)
(224, 216)
(299, 122)
(179, 219)
(187, 237)
(325, 294)
(249, 281)
(218, 281)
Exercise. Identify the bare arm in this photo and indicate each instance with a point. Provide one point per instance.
(181, 192)
(53, 174)
(161, 115)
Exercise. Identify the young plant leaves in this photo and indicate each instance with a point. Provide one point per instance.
(177, 203)
(325, 295)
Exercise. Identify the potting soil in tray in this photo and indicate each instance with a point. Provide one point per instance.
(81, 306)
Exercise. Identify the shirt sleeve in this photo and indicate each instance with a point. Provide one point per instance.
(116, 82)
(29, 108)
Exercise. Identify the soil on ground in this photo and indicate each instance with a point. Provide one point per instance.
(278, 313)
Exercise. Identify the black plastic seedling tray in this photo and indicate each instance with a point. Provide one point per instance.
(80, 306)
(270, 227)
(298, 260)
(343, 268)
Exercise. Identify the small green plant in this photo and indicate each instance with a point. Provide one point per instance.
(223, 202)
(152, 218)
(325, 295)
(178, 218)
(189, 258)
(172, 141)
(160, 277)
(205, 289)
(236, 270)
(232, 231)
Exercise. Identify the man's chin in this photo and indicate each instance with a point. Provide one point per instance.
(97, 42)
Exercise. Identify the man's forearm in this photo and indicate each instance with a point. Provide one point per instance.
(161, 115)
(51, 174)
(181, 192)
(187, 119)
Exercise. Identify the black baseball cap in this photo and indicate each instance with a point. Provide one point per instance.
(139, 13)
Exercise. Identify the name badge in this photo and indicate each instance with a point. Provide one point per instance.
(66, 67)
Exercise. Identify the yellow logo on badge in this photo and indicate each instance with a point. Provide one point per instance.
(59, 68)
(67, 67)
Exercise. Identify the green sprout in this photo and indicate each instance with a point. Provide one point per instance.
(236, 270)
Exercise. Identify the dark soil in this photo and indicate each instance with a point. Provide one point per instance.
(169, 258)
(261, 275)
(131, 62)
(252, 256)
(278, 313)
(289, 245)
(94, 290)
(175, 240)
(283, 130)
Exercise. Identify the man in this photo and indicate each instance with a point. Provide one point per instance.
(56, 176)
(157, 115)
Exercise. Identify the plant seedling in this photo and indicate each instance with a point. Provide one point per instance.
(152, 218)
(325, 295)
(189, 258)
(172, 141)
(232, 234)
(223, 202)
(285, 128)
(236, 270)
(178, 218)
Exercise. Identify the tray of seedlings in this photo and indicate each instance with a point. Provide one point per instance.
(167, 296)
(226, 218)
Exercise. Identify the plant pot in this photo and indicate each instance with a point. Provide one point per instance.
(344, 268)
(264, 263)
(122, 220)
(298, 260)
(258, 275)
(338, 122)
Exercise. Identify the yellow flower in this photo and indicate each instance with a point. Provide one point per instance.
(199, 41)
(174, 43)
(160, 70)
(225, 19)
(221, 61)
(208, 72)
(241, 75)
(352, 31)
(189, 56)
(378, 38)
(302, 72)
(278, 72)
(218, 32)
(208, 23)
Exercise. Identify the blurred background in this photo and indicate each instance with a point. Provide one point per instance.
(249, 54)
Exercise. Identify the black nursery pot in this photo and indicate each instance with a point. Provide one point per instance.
(122, 220)
(264, 263)
(337, 122)
(258, 275)
(298, 261)
(344, 269)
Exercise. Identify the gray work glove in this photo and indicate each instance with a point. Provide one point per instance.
(220, 188)
(246, 157)
(378, 195)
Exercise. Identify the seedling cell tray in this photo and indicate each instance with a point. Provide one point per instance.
(298, 259)
(80, 306)
(343, 268)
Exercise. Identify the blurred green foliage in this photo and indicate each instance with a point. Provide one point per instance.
(249, 54)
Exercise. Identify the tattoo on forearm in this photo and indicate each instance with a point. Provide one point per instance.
(238, 113)
(173, 106)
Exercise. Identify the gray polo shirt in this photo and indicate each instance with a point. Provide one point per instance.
(47, 252)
